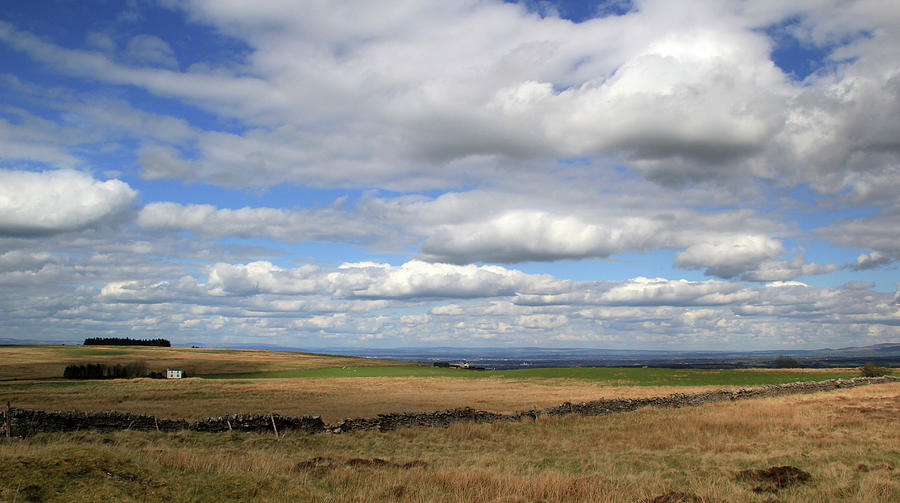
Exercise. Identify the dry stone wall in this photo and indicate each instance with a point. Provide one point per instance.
(387, 422)
(29, 422)
(23, 423)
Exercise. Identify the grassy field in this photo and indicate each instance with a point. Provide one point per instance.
(332, 398)
(623, 376)
(333, 387)
(845, 440)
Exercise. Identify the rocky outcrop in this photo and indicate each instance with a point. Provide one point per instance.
(23, 423)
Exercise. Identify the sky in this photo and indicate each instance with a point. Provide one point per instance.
(648, 174)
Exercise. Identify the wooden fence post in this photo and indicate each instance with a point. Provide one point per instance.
(8, 419)
(273, 426)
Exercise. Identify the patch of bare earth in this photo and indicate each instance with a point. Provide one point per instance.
(676, 497)
(774, 478)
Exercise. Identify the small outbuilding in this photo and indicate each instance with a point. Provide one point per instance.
(174, 373)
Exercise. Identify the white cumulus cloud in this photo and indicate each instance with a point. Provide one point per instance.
(520, 236)
(50, 202)
(730, 256)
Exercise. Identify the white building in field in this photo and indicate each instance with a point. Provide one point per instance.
(174, 373)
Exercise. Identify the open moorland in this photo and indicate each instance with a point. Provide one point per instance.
(834, 446)
(235, 381)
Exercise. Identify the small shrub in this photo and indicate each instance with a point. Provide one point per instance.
(786, 362)
(872, 370)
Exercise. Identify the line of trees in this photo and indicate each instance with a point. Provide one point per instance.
(103, 371)
(125, 341)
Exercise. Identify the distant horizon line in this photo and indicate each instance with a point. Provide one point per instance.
(470, 349)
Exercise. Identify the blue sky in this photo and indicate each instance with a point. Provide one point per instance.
(647, 175)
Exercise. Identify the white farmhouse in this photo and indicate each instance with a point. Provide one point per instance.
(174, 373)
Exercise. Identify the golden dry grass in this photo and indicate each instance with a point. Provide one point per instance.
(331, 398)
(847, 440)
(42, 362)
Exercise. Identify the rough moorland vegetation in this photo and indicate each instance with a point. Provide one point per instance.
(836, 447)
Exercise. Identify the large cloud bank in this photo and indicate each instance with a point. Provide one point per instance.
(662, 174)
(682, 91)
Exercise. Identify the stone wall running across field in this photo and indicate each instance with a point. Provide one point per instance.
(28, 422)
(23, 423)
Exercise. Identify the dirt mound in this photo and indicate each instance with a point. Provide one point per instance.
(674, 497)
(316, 466)
(774, 478)
(366, 462)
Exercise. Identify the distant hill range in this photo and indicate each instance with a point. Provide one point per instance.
(506, 358)
(878, 348)
(887, 354)
(500, 358)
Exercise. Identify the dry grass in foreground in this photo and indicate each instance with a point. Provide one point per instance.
(846, 440)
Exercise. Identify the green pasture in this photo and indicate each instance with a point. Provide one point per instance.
(618, 376)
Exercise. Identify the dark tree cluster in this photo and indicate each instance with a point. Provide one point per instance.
(872, 370)
(125, 341)
(786, 362)
(103, 371)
